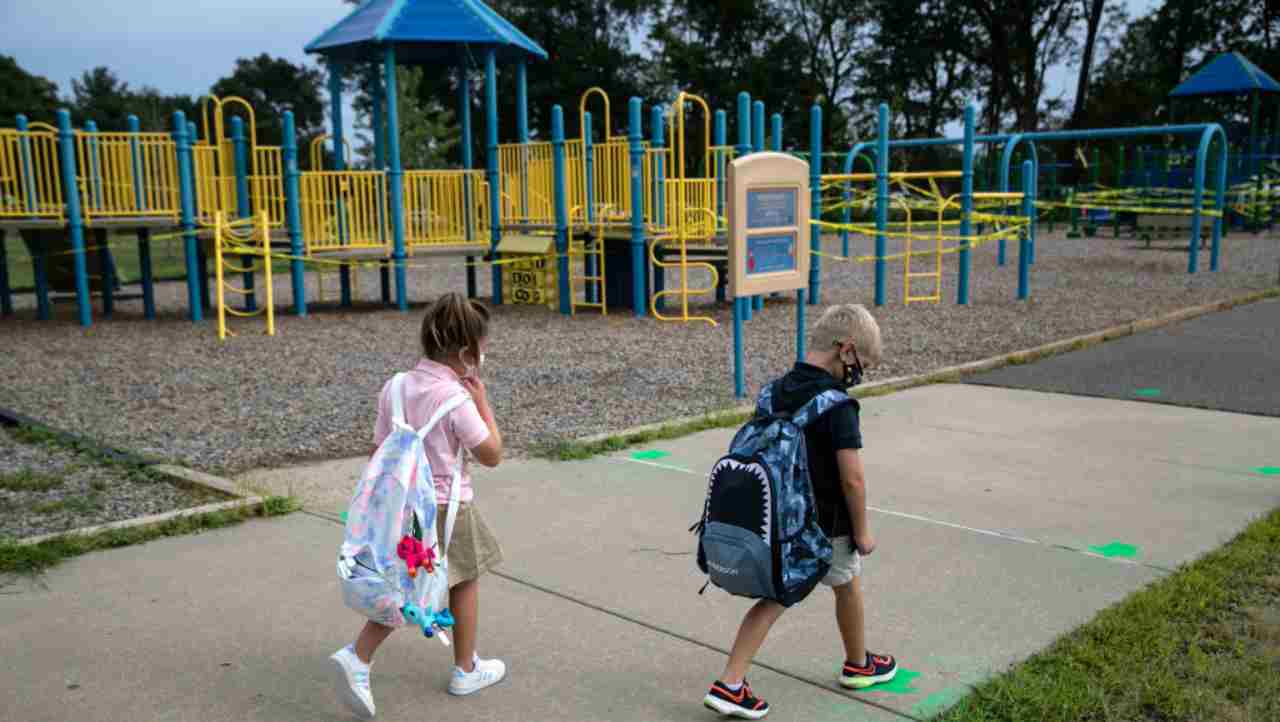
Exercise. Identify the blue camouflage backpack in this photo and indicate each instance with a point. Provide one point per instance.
(759, 534)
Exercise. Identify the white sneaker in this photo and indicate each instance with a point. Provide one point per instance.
(352, 681)
(484, 673)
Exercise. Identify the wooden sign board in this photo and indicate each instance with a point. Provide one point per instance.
(767, 208)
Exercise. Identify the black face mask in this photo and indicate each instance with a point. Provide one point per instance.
(852, 372)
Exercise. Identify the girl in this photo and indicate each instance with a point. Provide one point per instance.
(454, 337)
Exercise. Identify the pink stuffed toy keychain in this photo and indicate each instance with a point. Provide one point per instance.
(415, 554)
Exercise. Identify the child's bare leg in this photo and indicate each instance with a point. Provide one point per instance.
(850, 620)
(755, 627)
(464, 604)
(371, 637)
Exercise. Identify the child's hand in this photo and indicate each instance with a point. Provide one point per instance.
(475, 387)
(865, 543)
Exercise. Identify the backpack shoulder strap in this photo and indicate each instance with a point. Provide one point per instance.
(764, 402)
(455, 486)
(397, 399)
(819, 405)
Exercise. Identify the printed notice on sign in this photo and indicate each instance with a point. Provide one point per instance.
(771, 253)
(771, 208)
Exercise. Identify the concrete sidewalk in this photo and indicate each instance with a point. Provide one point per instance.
(1004, 518)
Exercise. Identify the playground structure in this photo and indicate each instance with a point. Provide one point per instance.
(595, 221)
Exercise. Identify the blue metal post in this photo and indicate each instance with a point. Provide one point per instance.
(1221, 204)
(522, 132)
(882, 195)
(186, 188)
(634, 138)
(775, 132)
(739, 383)
(1024, 239)
(395, 186)
(815, 200)
(757, 127)
(71, 196)
(588, 150)
(744, 149)
(562, 210)
(202, 257)
(293, 215)
(657, 141)
(491, 144)
(757, 146)
(380, 164)
(966, 206)
(242, 203)
(721, 131)
(102, 251)
(464, 119)
(339, 164)
(800, 330)
(144, 233)
(40, 254)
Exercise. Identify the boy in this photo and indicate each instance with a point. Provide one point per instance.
(845, 339)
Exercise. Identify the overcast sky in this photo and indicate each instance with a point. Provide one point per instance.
(184, 46)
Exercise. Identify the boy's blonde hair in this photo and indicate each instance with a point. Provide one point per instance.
(848, 322)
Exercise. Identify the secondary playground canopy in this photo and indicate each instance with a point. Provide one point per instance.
(423, 31)
(1227, 74)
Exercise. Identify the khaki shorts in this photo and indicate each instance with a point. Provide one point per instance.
(846, 562)
(474, 549)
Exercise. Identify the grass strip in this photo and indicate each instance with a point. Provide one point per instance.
(1200, 644)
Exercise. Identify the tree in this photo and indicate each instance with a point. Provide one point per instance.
(102, 97)
(718, 49)
(21, 92)
(272, 86)
(1093, 10)
(916, 62)
(1023, 39)
(428, 133)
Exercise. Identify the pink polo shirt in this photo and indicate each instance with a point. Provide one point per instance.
(426, 387)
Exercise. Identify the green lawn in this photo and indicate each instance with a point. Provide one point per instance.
(1201, 644)
(167, 260)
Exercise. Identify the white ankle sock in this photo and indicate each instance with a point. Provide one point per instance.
(733, 687)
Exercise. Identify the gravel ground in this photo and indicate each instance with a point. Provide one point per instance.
(46, 488)
(169, 389)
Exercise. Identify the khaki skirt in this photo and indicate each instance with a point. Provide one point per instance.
(474, 549)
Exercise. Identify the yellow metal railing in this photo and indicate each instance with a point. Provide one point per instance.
(266, 185)
(526, 176)
(343, 210)
(204, 178)
(445, 207)
(30, 182)
(127, 175)
(250, 241)
(611, 179)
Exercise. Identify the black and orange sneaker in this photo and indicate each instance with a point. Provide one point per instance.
(742, 703)
(877, 669)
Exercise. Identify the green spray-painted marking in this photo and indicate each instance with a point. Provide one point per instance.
(650, 455)
(1116, 549)
(1268, 470)
(939, 701)
(1147, 393)
(902, 683)
(343, 517)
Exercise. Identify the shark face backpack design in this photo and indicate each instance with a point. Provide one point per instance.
(759, 535)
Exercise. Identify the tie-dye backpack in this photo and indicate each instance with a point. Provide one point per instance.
(391, 568)
(759, 535)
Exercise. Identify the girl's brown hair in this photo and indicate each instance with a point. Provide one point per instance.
(453, 324)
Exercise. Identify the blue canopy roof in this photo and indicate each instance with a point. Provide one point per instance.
(423, 32)
(1228, 74)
